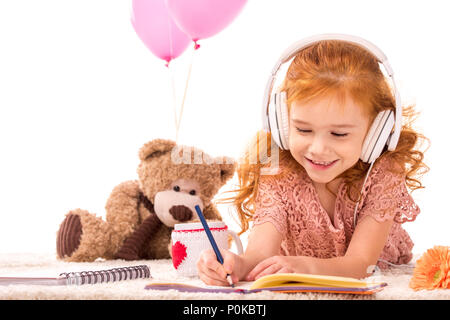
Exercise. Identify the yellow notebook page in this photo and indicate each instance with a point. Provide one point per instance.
(301, 279)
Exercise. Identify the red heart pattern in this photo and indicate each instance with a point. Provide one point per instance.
(178, 253)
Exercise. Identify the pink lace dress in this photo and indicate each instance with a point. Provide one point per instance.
(290, 202)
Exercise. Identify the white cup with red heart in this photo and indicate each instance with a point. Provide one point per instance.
(190, 239)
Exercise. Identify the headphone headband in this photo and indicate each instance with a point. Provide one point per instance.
(291, 51)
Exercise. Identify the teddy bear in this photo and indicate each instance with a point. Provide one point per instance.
(141, 214)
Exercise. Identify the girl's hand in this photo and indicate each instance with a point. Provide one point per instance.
(211, 272)
(275, 264)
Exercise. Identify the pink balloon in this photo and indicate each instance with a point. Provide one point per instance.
(201, 19)
(156, 28)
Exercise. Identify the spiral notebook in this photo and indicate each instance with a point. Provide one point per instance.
(83, 277)
(287, 283)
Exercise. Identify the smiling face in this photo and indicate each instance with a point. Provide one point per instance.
(326, 135)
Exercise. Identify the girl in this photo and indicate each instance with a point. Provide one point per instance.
(303, 216)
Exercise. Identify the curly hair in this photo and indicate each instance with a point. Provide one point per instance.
(340, 68)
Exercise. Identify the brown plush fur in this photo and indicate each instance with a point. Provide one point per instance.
(126, 210)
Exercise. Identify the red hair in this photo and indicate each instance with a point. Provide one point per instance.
(342, 69)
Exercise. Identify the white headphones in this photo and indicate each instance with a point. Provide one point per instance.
(275, 111)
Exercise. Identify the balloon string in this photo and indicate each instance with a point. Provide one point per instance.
(172, 85)
(184, 95)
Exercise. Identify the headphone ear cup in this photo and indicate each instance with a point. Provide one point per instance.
(283, 119)
(369, 140)
(273, 122)
(377, 136)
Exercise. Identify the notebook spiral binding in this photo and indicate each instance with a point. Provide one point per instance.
(110, 275)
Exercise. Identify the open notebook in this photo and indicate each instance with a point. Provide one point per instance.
(82, 277)
(287, 283)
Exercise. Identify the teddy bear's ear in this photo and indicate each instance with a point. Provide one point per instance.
(227, 169)
(155, 148)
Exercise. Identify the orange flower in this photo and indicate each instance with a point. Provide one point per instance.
(432, 270)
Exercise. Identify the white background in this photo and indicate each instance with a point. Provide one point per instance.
(80, 94)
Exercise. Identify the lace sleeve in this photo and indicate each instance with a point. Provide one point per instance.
(269, 204)
(387, 196)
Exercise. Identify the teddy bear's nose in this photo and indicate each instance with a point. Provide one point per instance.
(181, 213)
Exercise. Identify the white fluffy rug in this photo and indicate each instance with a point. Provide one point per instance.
(46, 265)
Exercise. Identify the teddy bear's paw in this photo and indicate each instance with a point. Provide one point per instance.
(127, 255)
(69, 234)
